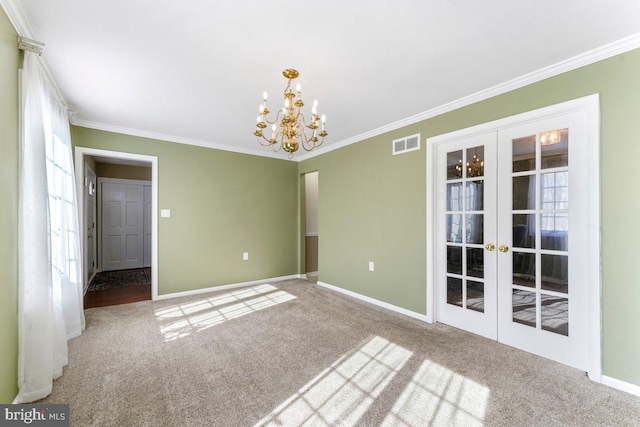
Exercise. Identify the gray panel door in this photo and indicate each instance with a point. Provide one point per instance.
(122, 226)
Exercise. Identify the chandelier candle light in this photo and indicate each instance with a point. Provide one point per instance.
(550, 138)
(289, 125)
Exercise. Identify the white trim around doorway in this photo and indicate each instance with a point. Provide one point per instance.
(80, 153)
(590, 105)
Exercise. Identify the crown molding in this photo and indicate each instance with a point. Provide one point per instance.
(587, 58)
(23, 27)
(607, 51)
(17, 18)
(20, 22)
(176, 139)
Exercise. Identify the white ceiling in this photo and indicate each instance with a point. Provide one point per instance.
(197, 69)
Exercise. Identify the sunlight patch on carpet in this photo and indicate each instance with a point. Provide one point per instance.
(342, 393)
(438, 396)
(182, 320)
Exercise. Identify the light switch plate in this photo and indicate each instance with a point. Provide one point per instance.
(165, 213)
(245, 256)
(371, 266)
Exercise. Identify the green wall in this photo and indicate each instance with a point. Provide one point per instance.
(372, 204)
(222, 204)
(370, 209)
(10, 60)
(111, 170)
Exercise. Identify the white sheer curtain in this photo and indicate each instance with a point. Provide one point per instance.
(50, 287)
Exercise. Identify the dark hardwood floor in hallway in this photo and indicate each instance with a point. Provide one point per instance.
(119, 287)
(117, 296)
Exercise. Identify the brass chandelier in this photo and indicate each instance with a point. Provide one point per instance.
(474, 168)
(290, 126)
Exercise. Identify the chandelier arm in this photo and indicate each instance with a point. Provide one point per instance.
(314, 146)
(263, 144)
(301, 119)
(303, 135)
(313, 119)
(277, 147)
(306, 141)
(276, 120)
(307, 149)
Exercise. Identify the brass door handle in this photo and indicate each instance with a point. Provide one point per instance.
(490, 247)
(503, 248)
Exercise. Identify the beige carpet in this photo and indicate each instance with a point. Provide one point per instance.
(293, 353)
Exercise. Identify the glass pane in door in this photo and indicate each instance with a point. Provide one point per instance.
(524, 269)
(454, 228)
(524, 192)
(454, 165)
(454, 291)
(524, 229)
(475, 228)
(454, 196)
(454, 259)
(475, 296)
(554, 273)
(474, 198)
(524, 307)
(555, 314)
(524, 153)
(554, 148)
(475, 262)
(475, 162)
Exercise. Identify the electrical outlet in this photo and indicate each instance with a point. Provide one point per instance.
(245, 256)
(371, 266)
(165, 213)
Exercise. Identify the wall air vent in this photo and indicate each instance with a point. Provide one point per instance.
(406, 144)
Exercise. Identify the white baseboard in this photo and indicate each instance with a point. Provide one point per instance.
(231, 286)
(311, 273)
(377, 302)
(621, 385)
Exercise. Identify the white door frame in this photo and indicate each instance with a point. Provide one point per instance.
(80, 153)
(85, 231)
(590, 105)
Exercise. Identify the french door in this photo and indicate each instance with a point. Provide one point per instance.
(512, 236)
(467, 279)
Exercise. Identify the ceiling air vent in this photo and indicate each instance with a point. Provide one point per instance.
(406, 144)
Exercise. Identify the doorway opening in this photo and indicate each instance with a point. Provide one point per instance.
(118, 194)
(311, 225)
